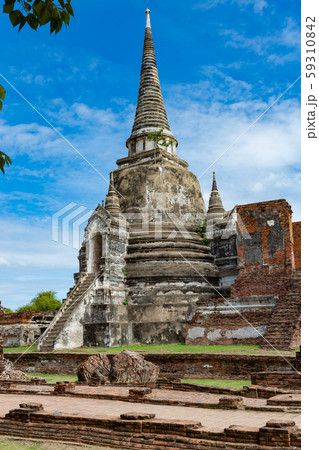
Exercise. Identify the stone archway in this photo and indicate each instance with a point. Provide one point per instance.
(96, 252)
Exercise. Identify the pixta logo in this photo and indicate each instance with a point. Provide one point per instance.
(67, 222)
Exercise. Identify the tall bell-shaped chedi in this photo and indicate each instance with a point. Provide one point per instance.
(152, 179)
(167, 267)
(142, 264)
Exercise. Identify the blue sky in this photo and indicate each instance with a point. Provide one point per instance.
(221, 63)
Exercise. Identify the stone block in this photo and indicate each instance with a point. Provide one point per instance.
(230, 402)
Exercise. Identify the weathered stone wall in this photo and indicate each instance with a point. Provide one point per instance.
(23, 329)
(228, 329)
(182, 365)
(161, 186)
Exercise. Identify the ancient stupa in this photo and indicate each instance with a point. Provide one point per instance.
(142, 263)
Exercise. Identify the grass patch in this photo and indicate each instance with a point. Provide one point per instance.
(34, 348)
(182, 348)
(235, 384)
(53, 378)
(17, 444)
(169, 348)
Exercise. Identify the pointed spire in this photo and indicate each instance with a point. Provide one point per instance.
(150, 111)
(150, 115)
(215, 201)
(112, 201)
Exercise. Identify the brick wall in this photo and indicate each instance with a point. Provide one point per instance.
(1, 357)
(266, 248)
(26, 317)
(285, 380)
(296, 228)
(284, 330)
(182, 365)
(269, 225)
(144, 431)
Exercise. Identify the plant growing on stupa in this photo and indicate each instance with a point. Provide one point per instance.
(159, 139)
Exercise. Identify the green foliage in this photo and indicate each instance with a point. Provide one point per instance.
(2, 95)
(37, 13)
(44, 301)
(124, 271)
(5, 160)
(205, 241)
(159, 138)
(8, 311)
(126, 302)
(201, 230)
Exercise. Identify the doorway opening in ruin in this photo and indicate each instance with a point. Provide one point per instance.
(97, 252)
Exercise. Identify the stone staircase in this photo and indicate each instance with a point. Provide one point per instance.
(75, 296)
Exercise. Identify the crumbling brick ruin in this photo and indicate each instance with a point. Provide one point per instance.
(1, 357)
(23, 329)
(144, 274)
(258, 253)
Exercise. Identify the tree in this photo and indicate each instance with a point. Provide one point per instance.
(43, 301)
(35, 13)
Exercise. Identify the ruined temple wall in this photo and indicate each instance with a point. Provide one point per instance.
(1, 356)
(270, 243)
(296, 228)
(266, 248)
(228, 329)
(23, 329)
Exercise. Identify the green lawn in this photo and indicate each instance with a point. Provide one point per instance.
(53, 378)
(235, 384)
(170, 348)
(34, 348)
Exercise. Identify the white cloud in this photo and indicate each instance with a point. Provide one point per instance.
(258, 5)
(273, 45)
(263, 164)
(4, 262)
(29, 244)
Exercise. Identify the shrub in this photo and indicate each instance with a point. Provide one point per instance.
(43, 301)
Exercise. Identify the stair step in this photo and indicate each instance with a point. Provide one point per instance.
(74, 297)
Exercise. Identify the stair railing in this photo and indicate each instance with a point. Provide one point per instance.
(63, 308)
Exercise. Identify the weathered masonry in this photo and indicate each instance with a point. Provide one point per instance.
(144, 271)
(142, 268)
(23, 329)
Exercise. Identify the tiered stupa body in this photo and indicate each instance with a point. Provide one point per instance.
(148, 264)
